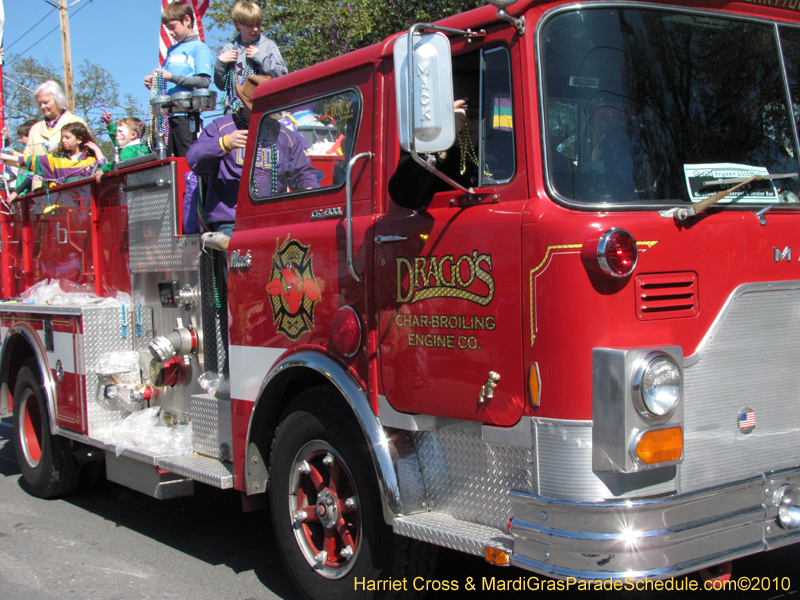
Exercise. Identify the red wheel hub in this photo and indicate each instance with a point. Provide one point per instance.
(327, 517)
(31, 429)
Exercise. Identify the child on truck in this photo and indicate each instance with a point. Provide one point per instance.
(250, 53)
(76, 157)
(22, 183)
(219, 154)
(126, 134)
(187, 66)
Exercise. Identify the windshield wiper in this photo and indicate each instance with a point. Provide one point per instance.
(682, 214)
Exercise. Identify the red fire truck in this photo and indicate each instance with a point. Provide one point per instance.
(581, 364)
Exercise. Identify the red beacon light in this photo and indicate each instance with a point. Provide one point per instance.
(612, 253)
(346, 331)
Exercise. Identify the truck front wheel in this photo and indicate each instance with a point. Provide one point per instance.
(48, 467)
(326, 510)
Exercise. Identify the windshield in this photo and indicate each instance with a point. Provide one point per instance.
(647, 106)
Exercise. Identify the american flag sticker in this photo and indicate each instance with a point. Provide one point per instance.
(747, 420)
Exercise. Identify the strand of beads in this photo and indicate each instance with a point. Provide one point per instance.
(468, 152)
(467, 149)
(158, 123)
(231, 99)
(267, 154)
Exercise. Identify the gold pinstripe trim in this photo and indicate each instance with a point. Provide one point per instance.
(539, 266)
(547, 253)
(550, 249)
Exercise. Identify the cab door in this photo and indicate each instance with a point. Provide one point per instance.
(449, 278)
(288, 273)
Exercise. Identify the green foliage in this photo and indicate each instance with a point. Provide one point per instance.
(310, 31)
(94, 89)
(20, 77)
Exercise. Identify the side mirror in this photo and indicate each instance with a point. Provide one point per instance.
(425, 116)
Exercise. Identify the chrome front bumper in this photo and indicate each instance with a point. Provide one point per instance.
(657, 538)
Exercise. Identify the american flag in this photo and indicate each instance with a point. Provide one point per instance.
(199, 8)
(747, 419)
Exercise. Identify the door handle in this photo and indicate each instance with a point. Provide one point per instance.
(388, 239)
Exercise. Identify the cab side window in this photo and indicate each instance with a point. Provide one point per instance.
(483, 80)
(497, 148)
(305, 146)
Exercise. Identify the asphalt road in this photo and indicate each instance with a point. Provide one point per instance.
(112, 543)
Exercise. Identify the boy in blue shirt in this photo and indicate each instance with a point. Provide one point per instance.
(188, 65)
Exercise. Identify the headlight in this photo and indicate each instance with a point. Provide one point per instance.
(658, 384)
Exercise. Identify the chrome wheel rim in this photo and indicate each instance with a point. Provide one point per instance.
(324, 508)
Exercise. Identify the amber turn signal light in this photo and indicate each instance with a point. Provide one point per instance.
(496, 556)
(660, 445)
(534, 387)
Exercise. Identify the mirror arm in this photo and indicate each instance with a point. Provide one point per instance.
(419, 160)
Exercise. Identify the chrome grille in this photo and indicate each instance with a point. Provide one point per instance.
(748, 360)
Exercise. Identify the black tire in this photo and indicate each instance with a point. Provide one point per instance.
(48, 467)
(314, 432)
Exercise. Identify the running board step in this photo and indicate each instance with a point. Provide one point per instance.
(449, 532)
(200, 468)
(133, 470)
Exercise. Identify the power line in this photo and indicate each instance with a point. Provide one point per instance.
(27, 32)
(54, 29)
(5, 77)
(39, 40)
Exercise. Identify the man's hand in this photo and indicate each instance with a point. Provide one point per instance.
(228, 56)
(460, 109)
(148, 81)
(238, 139)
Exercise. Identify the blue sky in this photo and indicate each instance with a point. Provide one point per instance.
(119, 35)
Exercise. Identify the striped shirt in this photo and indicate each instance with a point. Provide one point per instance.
(58, 168)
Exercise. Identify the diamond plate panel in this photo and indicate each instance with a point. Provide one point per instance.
(211, 425)
(468, 478)
(448, 532)
(152, 222)
(409, 473)
(750, 362)
(200, 468)
(102, 333)
(146, 478)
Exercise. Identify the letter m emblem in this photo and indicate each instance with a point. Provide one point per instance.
(786, 255)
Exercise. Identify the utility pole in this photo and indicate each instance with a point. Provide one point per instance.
(67, 52)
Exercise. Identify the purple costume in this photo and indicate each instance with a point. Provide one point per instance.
(207, 156)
